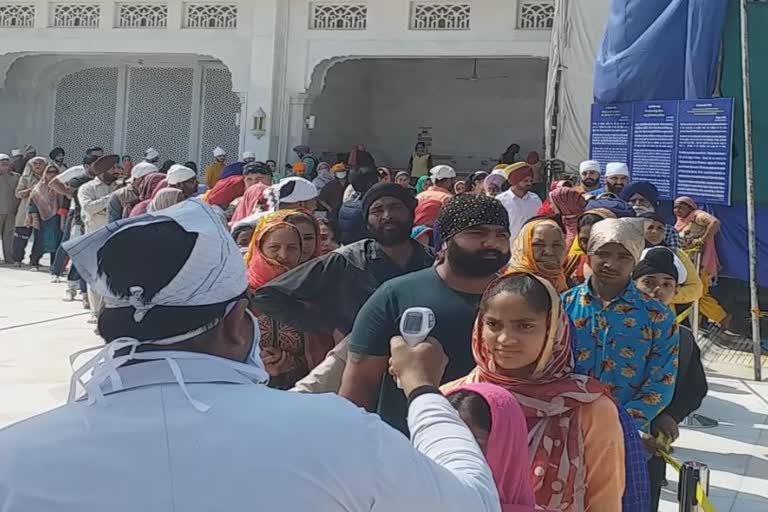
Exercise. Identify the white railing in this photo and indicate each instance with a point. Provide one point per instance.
(536, 14)
(440, 16)
(141, 15)
(338, 16)
(17, 16)
(80, 15)
(210, 15)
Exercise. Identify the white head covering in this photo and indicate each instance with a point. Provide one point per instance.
(627, 232)
(151, 154)
(178, 174)
(441, 172)
(3, 156)
(589, 165)
(214, 273)
(303, 190)
(219, 152)
(249, 154)
(142, 169)
(616, 169)
(16, 152)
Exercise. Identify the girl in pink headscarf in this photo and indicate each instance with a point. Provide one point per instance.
(498, 423)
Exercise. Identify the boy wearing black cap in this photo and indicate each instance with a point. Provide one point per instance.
(658, 274)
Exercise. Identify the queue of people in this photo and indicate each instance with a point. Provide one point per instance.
(549, 373)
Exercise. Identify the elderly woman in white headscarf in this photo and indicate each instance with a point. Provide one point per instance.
(165, 198)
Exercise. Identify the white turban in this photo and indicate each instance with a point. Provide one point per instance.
(616, 169)
(213, 273)
(589, 165)
(142, 169)
(151, 154)
(627, 232)
(179, 174)
(219, 152)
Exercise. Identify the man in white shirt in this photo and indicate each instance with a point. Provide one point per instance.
(177, 416)
(520, 202)
(94, 198)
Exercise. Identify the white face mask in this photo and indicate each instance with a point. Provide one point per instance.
(341, 175)
(105, 363)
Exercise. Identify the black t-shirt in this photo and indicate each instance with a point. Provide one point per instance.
(379, 320)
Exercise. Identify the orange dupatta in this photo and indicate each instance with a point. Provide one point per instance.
(522, 257)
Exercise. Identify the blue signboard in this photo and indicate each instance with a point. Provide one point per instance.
(611, 133)
(682, 147)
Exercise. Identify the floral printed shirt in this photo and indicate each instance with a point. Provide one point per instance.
(630, 345)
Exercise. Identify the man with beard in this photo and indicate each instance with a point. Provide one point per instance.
(589, 174)
(521, 204)
(475, 234)
(326, 293)
(616, 177)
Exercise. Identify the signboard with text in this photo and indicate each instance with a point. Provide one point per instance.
(682, 147)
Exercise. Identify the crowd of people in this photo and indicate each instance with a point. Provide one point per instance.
(551, 378)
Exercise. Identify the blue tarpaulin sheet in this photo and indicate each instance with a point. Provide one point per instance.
(659, 50)
(667, 50)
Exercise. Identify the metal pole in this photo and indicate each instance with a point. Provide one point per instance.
(750, 171)
(692, 474)
(695, 306)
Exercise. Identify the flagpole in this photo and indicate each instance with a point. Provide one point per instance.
(750, 176)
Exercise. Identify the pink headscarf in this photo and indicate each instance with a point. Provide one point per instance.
(507, 450)
(570, 204)
(247, 204)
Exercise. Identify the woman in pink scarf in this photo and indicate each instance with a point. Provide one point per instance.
(249, 203)
(149, 188)
(546, 206)
(569, 203)
(498, 423)
(697, 231)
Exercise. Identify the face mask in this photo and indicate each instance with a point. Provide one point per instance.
(639, 209)
(254, 357)
(105, 363)
(341, 175)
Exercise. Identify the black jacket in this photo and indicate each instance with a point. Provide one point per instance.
(691, 385)
(350, 223)
(326, 293)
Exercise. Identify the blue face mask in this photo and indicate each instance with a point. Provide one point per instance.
(341, 175)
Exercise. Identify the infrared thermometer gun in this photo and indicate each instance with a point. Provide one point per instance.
(416, 324)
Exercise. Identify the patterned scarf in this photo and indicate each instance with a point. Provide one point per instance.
(551, 399)
(45, 199)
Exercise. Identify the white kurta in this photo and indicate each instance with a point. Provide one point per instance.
(520, 209)
(146, 449)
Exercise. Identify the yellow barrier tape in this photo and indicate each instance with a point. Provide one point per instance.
(677, 465)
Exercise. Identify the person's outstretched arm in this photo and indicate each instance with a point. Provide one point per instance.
(447, 471)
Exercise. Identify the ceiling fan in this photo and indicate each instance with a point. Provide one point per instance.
(476, 78)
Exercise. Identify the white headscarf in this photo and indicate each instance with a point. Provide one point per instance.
(627, 232)
(214, 273)
(324, 175)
